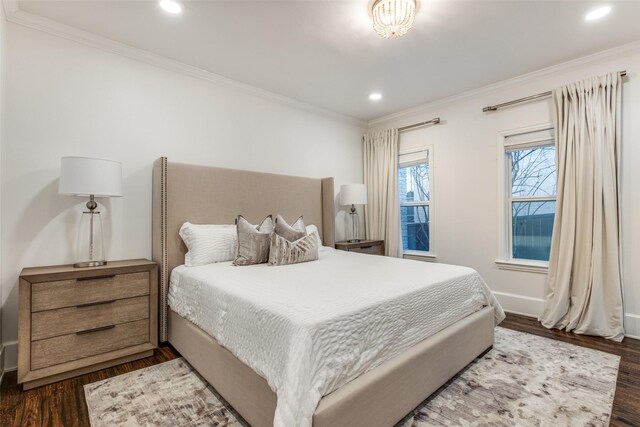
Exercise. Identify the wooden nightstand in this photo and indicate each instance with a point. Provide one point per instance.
(374, 247)
(77, 320)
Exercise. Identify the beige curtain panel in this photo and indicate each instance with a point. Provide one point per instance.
(381, 178)
(584, 285)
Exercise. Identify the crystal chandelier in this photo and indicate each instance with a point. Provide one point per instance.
(393, 17)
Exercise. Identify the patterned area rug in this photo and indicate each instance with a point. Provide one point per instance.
(524, 380)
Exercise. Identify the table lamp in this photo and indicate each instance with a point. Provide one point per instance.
(88, 177)
(353, 194)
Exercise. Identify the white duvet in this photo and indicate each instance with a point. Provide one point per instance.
(310, 328)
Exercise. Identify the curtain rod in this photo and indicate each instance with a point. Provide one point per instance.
(434, 121)
(528, 98)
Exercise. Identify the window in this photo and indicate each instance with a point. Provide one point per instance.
(531, 194)
(414, 193)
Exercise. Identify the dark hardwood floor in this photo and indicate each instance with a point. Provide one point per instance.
(63, 404)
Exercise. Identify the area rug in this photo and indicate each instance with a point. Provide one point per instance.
(524, 380)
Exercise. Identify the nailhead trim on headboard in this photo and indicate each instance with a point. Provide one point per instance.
(164, 268)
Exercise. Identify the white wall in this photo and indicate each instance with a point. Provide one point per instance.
(466, 175)
(66, 98)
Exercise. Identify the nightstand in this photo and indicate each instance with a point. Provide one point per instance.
(374, 247)
(78, 320)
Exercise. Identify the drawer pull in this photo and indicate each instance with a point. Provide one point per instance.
(106, 276)
(366, 247)
(102, 328)
(90, 304)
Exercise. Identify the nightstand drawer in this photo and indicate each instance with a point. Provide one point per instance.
(86, 290)
(372, 249)
(57, 350)
(63, 321)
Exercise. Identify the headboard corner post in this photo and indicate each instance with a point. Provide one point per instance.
(328, 212)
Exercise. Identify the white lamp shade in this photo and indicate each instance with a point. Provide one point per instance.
(84, 176)
(353, 194)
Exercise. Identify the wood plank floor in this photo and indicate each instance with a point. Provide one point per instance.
(63, 404)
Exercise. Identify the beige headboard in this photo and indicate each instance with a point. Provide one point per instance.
(210, 195)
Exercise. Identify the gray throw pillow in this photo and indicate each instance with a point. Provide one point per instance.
(284, 252)
(253, 242)
(290, 232)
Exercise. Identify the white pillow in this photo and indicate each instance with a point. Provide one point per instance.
(311, 229)
(207, 243)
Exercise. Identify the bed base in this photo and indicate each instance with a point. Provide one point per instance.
(379, 398)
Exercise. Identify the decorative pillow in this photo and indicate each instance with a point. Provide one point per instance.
(290, 232)
(253, 242)
(208, 243)
(313, 229)
(284, 252)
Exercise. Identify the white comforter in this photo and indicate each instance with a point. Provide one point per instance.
(310, 328)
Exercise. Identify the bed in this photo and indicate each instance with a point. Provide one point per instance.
(208, 312)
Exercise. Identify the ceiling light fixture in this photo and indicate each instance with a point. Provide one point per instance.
(171, 6)
(375, 96)
(393, 17)
(598, 13)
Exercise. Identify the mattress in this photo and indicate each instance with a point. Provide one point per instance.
(310, 328)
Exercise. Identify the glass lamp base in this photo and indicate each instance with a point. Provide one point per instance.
(86, 264)
(90, 243)
(355, 226)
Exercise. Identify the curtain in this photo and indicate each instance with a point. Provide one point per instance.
(382, 211)
(584, 284)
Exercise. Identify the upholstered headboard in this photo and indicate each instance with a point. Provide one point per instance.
(210, 195)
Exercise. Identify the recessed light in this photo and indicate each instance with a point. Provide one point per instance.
(375, 96)
(597, 13)
(171, 6)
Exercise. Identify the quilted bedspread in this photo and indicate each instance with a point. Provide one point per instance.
(310, 328)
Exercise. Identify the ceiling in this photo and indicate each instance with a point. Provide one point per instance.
(325, 53)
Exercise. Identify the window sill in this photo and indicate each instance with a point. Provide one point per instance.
(540, 267)
(419, 256)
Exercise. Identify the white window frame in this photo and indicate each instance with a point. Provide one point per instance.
(430, 254)
(505, 258)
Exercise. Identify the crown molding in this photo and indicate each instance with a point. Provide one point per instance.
(564, 66)
(26, 19)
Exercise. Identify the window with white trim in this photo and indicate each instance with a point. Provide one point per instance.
(530, 173)
(415, 194)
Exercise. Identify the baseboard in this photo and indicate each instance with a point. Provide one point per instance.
(10, 356)
(632, 326)
(528, 306)
(519, 304)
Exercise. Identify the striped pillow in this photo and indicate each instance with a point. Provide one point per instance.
(284, 252)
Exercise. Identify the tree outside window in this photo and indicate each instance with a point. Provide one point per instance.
(533, 201)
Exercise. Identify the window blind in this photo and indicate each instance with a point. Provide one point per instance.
(413, 157)
(529, 139)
